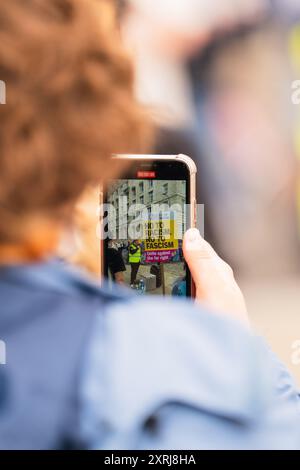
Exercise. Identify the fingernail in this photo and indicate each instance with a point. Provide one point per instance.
(192, 235)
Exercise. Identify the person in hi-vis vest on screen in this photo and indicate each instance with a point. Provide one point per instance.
(135, 257)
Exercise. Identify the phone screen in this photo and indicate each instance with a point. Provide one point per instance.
(147, 213)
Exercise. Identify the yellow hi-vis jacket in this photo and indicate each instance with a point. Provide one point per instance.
(137, 256)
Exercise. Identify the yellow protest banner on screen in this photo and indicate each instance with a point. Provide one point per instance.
(160, 235)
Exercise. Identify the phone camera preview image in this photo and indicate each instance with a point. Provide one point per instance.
(143, 232)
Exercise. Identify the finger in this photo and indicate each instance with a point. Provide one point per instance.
(196, 253)
(213, 277)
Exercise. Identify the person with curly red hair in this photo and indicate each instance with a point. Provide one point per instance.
(85, 367)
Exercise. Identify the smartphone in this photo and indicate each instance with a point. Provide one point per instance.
(145, 214)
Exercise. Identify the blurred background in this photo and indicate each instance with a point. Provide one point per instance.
(217, 78)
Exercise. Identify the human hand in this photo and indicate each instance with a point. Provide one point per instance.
(214, 279)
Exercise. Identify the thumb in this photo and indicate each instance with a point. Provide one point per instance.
(198, 254)
(214, 280)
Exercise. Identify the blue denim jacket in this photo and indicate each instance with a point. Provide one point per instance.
(168, 374)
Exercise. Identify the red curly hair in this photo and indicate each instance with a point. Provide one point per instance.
(70, 105)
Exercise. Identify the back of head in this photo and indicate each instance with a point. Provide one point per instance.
(69, 105)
